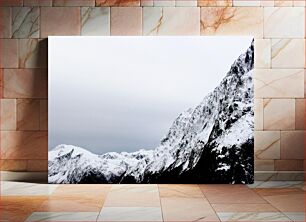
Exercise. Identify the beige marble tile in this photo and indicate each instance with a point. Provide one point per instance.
(1, 83)
(95, 21)
(253, 216)
(186, 3)
(10, 188)
(264, 165)
(237, 3)
(232, 21)
(163, 3)
(285, 199)
(133, 196)
(230, 193)
(180, 190)
(91, 191)
(73, 2)
(18, 208)
(5, 22)
(51, 17)
(8, 53)
(63, 216)
(37, 165)
(32, 53)
(292, 144)
(300, 114)
(299, 3)
(25, 22)
(23, 144)
(305, 83)
(264, 192)
(289, 165)
(266, 3)
(263, 207)
(279, 114)
(123, 3)
(279, 83)
(267, 144)
(25, 83)
(284, 50)
(279, 176)
(171, 21)
(187, 209)
(279, 3)
(130, 214)
(262, 53)
(76, 198)
(5, 3)
(27, 114)
(277, 184)
(126, 21)
(258, 114)
(8, 114)
(71, 204)
(221, 3)
(295, 216)
(278, 22)
(37, 2)
(146, 3)
(13, 165)
(43, 114)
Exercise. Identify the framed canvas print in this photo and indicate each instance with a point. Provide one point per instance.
(150, 109)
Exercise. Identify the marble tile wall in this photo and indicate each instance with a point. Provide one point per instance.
(279, 80)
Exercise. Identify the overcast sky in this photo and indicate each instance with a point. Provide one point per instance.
(123, 93)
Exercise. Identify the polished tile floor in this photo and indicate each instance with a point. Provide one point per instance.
(262, 201)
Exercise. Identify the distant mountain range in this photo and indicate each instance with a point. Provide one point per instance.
(211, 143)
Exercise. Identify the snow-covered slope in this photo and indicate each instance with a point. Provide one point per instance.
(211, 143)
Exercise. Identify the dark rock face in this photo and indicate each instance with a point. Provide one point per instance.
(212, 143)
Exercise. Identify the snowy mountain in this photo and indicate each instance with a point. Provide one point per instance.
(211, 143)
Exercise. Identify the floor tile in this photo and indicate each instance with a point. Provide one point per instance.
(71, 204)
(63, 216)
(228, 207)
(229, 193)
(266, 192)
(9, 188)
(82, 190)
(179, 190)
(187, 209)
(262, 201)
(277, 184)
(284, 199)
(138, 195)
(18, 208)
(251, 216)
(295, 216)
(130, 214)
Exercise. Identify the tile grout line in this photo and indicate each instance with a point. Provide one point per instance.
(209, 202)
(278, 210)
(260, 195)
(267, 202)
(161, 209)
(104, 202)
